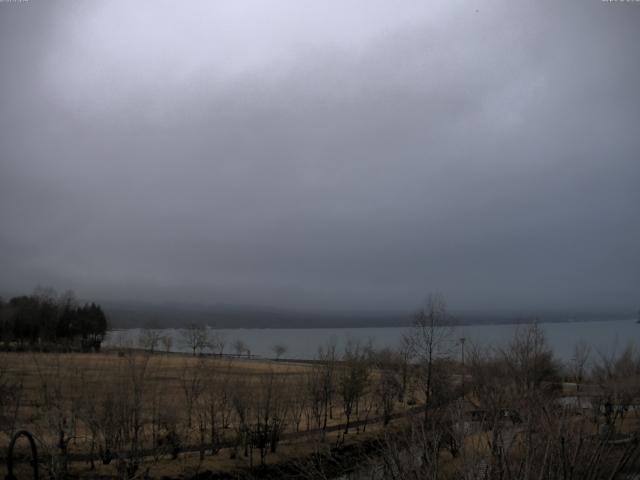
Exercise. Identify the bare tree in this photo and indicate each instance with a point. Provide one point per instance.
(240, 347)
(388, 384)
(195, 338)
(167, 343)
(579, 361)
(326, 367)
(11, 399)
(149, 339)
(430, 341)
(270, 413)
(217, 342)
(315, 394)
(530, 358)
(58, 419)
(240, 399)
(192, 385)
(405, 353)
(513, 386)
(353, 376)
(298, 401)
(129, 403)
(216, 403)
(618, 376)
(279, 349)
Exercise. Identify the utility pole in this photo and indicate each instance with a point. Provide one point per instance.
(462, 340)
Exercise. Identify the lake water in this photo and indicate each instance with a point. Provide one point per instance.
(605, 337)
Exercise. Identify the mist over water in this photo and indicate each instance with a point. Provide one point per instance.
(604, 337)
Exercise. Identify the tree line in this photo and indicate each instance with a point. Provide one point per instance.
(45, 320)
(482, 413)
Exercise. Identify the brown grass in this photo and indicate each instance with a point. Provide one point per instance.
(77, 376)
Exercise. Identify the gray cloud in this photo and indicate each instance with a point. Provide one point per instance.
(322, 155)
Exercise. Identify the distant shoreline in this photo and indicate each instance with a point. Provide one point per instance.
(365, 326)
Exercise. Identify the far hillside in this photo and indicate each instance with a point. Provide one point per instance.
(176, 315)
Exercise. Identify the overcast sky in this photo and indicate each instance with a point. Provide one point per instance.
(321, 154)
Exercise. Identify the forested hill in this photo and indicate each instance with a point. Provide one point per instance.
(133, 314)
(130, 315)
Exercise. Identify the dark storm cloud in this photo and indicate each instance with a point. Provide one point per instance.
(323, 156)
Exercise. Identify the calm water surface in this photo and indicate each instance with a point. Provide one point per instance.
(605, 337)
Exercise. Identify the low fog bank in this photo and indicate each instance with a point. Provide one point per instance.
(175, 315)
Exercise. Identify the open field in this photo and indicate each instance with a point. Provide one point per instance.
(97, 408)
(134, 414)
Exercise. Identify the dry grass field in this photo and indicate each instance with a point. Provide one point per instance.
(176, 413)
(133, 414)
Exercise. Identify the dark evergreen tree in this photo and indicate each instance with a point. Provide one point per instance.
(40, 319)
